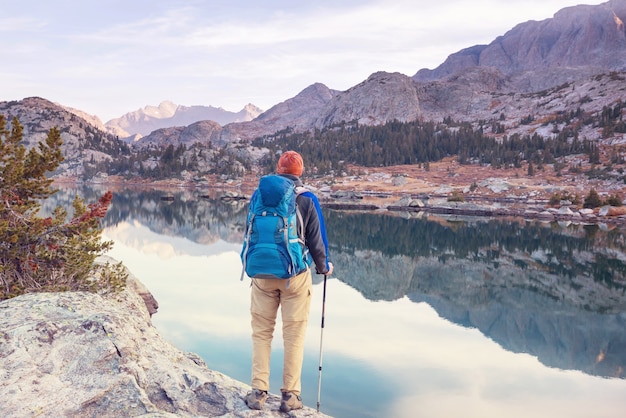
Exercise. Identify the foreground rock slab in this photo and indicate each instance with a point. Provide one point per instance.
(79, 354)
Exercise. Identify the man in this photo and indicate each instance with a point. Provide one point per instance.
(292, 295)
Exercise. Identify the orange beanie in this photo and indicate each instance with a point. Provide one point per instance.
(290, 163)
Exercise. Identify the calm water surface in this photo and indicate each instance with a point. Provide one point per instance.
(425, 317)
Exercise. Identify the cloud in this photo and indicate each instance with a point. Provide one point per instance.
(111, 57)
(20, 24)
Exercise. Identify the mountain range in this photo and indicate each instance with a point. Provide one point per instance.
(574, 61)
(168, 114)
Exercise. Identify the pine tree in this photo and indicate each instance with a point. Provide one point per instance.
(592, 200)
(46, 254)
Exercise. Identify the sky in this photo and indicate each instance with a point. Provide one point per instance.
(111, 57)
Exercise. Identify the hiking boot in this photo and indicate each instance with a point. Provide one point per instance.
(256, 399)
(290, 401)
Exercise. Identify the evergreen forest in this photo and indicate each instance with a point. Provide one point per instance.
(398, 143)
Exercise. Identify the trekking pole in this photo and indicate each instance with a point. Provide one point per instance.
(319, 377)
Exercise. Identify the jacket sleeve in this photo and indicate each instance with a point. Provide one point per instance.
(315, 231)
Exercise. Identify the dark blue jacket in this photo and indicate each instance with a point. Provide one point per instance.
(314, 227)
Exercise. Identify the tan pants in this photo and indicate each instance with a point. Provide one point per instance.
(294, 298)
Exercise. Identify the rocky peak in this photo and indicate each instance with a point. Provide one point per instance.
(165, 109)
(382, 97)
(252, 111)
(199, 132)
(590, 38)
(92, 119)
(80, 138)
(298, 113)
(298, 110)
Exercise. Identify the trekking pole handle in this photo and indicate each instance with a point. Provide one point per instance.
(324, 300)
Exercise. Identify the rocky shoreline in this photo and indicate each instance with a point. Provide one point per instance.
(482, 192)
(449, 188)
(78, 354)
(494, 207)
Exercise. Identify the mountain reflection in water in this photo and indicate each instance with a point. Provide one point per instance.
(555, 292)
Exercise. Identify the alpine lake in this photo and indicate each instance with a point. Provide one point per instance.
(425, 316)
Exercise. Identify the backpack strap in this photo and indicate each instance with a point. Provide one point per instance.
(247, 244)
(287, 241)
(300, 190)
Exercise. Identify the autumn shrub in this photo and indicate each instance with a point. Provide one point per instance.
(50, 254)
(456, 196)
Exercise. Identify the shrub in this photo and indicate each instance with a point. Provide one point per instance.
(614, 200)
(46, 254)
(575, 169)
(559, 196)
(555, 199)
(592, 200)
(456, 196)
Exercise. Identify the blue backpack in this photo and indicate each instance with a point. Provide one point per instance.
(273, 246)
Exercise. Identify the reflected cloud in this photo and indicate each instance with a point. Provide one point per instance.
(137, 236)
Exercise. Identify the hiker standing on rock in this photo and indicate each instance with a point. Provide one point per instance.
(283, 214)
